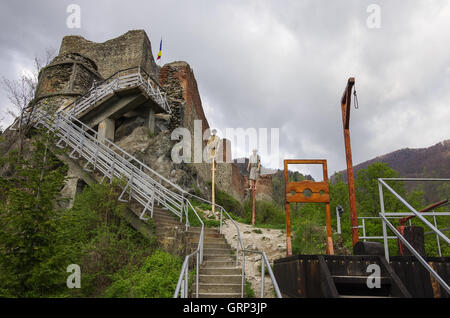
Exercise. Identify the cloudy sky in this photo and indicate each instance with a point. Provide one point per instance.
(278, 64)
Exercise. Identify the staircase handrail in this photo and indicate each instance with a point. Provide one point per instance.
(383, 214)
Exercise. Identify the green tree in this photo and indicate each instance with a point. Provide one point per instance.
(27, 214)
(367, 193)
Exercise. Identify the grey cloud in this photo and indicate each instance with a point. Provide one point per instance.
(279, 63)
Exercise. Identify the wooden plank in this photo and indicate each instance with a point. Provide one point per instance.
(326, 281)
(301, 186)
(395, 280)
(301, 278)
(305, 161)
(314, 198)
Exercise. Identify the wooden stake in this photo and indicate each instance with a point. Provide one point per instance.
(345, 106)
(253, 208)
(213, 197)
(288, 230)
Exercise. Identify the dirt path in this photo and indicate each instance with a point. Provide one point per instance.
(271, 241)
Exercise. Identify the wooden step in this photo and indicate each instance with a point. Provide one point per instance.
(357, 279)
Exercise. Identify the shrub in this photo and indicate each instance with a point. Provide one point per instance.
(156, 278)
(249, 292)
(230, 204)
(266, 212)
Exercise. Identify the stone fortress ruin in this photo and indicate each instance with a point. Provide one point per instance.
(129, 117)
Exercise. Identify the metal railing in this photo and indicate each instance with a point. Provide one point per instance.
(366, 237)
(240, 250)
(183, 280)
(264, 263)
(128, 78)
(143, 184)
(420, 215)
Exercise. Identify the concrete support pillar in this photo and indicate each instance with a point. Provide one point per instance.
(106, 129)
(151, 120)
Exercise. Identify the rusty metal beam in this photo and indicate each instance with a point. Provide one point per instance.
(428, 208)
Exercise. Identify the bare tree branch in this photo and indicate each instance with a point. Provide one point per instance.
(20, 92)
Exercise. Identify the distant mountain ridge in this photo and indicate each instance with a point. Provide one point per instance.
(431, 162)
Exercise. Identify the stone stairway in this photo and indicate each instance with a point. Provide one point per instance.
(219, 277)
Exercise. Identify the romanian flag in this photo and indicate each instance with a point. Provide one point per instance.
(160, 49)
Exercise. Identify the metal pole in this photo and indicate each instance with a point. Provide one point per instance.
(386, 246)
(243, 274)
(196, 278)
(437, 237)
(220, 228)
(186, 281)
(262, 276)
(338, 218)
(364, 229)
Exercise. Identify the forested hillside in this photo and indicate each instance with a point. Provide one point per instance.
(431, 162)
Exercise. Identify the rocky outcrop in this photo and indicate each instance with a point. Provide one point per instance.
(155, 151)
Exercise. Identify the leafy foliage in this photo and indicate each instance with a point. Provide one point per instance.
(230, 204)
(38, 240)
(28, 217)
(156, 278)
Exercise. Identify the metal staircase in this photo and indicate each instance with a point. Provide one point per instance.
(134, 77)
(140, 182)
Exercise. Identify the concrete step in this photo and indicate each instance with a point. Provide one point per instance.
(209, 240)
(217, 279)
(165, 217)
(216, 251)
(207, 270)
(217, 288)
(214, 263)
(219, 295)
(197, 229)
(219, 257)
(167, 222)
(206, 234)
(209, 245)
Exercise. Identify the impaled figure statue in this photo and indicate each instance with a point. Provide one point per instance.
(213, 144)
(254, 167)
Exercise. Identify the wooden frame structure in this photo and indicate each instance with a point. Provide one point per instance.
(307, 192)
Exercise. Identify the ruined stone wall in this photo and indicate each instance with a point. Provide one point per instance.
(178, 81)
(68, 74)
(128, 50)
